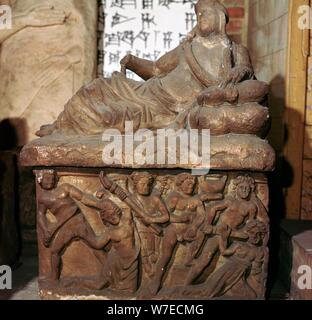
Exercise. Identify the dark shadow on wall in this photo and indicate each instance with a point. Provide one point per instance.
(8, 136)
(280, 179)
(12, 133)
(280, 264)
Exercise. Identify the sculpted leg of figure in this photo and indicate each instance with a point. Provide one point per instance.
(62, 240)
(147, 250)
(170, 241)
(157, 244)
(218, 283)
(230, 273)
(51, 229)
(194, 247)
(43, 225)
(210, 249)
(252, 91)
(75, 229)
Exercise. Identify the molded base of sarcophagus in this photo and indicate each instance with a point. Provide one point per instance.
(151, 234)
(46, 294)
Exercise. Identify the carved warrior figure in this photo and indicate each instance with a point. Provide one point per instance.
(241, 261)
(237, 228)
(225, 219)
(60, 201)
(120, 269)
(156, 212)
(120, 263)
(137, 247)
(187, 213)
(149, 211)
(207, 70)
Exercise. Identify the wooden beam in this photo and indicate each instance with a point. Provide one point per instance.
(296, 83)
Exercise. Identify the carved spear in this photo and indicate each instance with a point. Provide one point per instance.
(125, 197)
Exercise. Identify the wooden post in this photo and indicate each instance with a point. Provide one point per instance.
(296, 82)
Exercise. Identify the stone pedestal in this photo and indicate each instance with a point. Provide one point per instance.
(130, 233)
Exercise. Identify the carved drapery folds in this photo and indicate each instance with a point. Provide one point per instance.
(152, 234)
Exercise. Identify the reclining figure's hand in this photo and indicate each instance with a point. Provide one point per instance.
(215, 96)
(124, 62)
(236, 75)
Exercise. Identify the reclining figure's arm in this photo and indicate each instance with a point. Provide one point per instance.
(242, 58)
(147, 69)
(242, 69)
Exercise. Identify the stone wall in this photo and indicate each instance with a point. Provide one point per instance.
(44, 62)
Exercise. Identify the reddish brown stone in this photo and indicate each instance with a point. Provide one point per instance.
(113, 230)
(114, 245)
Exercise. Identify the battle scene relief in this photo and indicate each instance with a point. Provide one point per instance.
(152, 234)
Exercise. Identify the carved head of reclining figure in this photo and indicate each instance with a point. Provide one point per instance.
(212, 17)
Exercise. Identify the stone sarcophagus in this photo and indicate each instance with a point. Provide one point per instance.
(123, 213)
(161, 234)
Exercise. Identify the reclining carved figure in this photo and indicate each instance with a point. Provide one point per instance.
(207, 69)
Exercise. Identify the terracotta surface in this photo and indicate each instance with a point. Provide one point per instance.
(149, 231)
(193, 237)
(236, 152)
